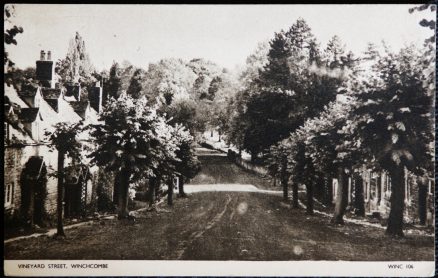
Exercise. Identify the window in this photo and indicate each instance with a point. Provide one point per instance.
(9, 188)
(367, 185)
(431, 186)
(335, 189)
(175, 183)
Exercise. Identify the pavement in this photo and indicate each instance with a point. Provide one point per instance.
(227, 187)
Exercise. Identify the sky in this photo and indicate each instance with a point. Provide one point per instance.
(225, 34)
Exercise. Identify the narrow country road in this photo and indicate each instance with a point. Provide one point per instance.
(230, 214)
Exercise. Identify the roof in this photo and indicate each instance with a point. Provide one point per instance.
(53, 103)
(29, 115)
(29, 91)
(49, 93)
(73, 90)
(8, 108)
(80, 107)
(12, 95)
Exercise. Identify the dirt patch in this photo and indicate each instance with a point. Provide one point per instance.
(251, 226)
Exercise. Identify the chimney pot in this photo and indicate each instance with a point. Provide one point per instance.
(49, 55)
(42, 55)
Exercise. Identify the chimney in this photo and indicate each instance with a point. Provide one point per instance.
(95, 97)
(45, 70)
(49, 55)
(42, 55)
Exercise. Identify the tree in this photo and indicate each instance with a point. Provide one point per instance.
(277, 161)
(135, 86)
(187, 164)
(215, 86)
(237, 117)
(282, 97)
(254, 64)
(112, 86)
(9, 38)
(64, 140)
(276, 73)
(267, 120)
(22, 79)
(167, 81)
(394, 123)
(186, 112)
(76, 66)
(133, 141)
(204, 71)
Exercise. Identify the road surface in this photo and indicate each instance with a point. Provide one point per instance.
(234, 215)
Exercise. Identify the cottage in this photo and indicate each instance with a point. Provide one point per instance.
(419, 207)
(30, 192)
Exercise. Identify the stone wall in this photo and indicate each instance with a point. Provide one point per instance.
(16, 158)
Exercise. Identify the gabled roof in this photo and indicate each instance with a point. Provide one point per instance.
(80, 107)
(73, 90)
(13, 97)
(29, 115)
(29, 91)
(53, 103)
(8, 109)
(49, 93)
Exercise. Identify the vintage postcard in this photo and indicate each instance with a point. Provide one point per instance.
(224, 140)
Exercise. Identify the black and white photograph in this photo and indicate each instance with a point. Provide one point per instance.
(249, 140)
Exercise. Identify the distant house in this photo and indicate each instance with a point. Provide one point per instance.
(419, 206)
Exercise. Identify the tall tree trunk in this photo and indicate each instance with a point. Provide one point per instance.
(285, 189)
(284, 179)
(329, 183)
(395, 220)
(295, 195)
(60, 197)
(378, 189)
(359, 201)
(422, 200)
(253, 156)
(169, 192)
(319, 189)
(116, 192)
(157, 188)
(327, 191)
(123, 194)
(181, 186)
(309, 194)
(152, 184)
(341, 198)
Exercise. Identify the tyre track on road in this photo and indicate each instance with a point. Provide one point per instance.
(182, 246)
